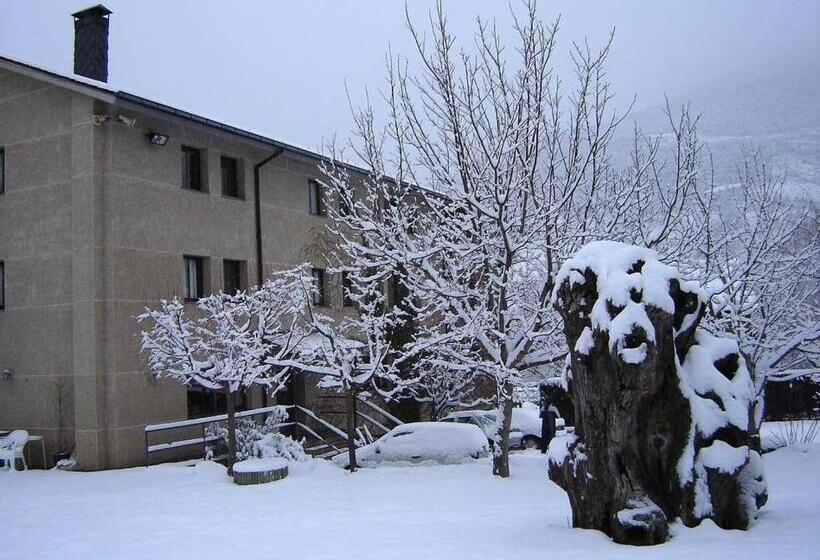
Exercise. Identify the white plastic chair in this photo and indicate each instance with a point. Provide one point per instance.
(11, 448)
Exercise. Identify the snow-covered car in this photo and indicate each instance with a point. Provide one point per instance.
(418, 442)
(525, 431)
(527, 420)
(485, 420)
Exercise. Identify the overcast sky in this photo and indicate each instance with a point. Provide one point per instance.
(281, 67)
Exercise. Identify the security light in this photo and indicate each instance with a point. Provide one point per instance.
(130, 122)
(158, 139)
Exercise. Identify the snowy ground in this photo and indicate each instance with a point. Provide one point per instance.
(447, 512)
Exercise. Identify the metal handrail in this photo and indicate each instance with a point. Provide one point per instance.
(325, 423)
(208, 419)
(381, 411)
(372, 420)
(205, 439)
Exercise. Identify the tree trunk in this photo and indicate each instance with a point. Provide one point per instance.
(644, 453)
(437, 409)
(758, 408)
(501, 450)
(230, 405)
(351, 428)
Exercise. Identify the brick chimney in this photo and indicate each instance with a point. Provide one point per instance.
(91, 42)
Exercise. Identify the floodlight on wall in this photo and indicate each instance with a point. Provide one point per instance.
(99, 120)
(130, 122)
(6, 374)
(158, 139)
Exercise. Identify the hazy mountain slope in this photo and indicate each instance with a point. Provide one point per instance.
(779, 115)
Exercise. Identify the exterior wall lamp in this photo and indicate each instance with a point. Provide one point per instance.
(6, 374)
(158, 139)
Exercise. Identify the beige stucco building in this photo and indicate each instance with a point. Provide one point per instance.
(98, 220)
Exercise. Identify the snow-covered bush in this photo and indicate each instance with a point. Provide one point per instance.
(262, 440)
(790, 433)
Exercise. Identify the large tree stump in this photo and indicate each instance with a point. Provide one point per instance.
(259, 471)
(662, 408)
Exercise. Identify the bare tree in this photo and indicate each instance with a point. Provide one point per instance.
(504, 157)
(760, 259)
(515, 176)
(445, 388)
(353, 352)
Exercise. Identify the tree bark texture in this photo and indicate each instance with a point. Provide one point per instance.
(640, 457)
(351, 428)
(501, 448)
(230, 405)
(262, 477)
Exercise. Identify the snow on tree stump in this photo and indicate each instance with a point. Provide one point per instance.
(662, 408)
(259, 471)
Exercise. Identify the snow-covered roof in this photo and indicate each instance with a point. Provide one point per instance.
(56, 73)
(111, 93)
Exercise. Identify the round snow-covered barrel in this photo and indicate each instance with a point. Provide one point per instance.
(259, 471)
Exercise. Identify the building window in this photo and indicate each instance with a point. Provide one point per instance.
(347, 289)
(345, 203)
(230, 177)
(204, 402)
(319, 283)
(317, 207)
(2, 285)
(232, 272)
(2, 170)
(191, 168)
(395, 291)
(194, 278)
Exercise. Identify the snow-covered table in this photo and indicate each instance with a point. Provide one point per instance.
(259, 471)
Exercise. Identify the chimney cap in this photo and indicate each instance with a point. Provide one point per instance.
(99, 11)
